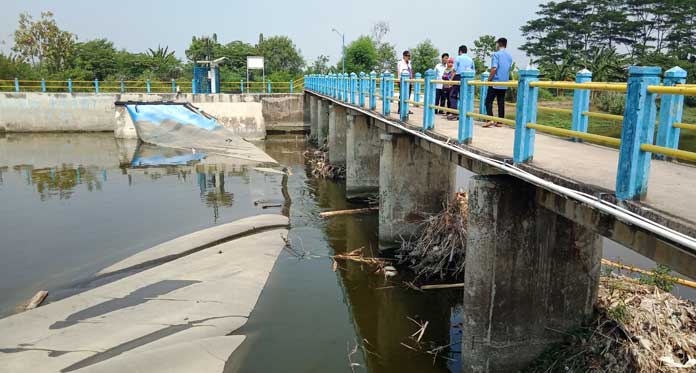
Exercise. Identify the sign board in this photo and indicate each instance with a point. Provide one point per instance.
(255, 63)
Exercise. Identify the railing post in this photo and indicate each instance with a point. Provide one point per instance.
(671, 110)
(17, 85)
(383, 92)
(389, 87)
(353, 88)
(194, 89)
(361, 89)
(483, 92)
(43, 85)
(526, 113)
(346, 87)
(404, 90)
(417, 88)
(339, 81)
(241, 86)
(147, 86)
(638, 128)
(466, 104)
(269, 86)
(373, 88)
(581, 103)
(123, 86)
(428, 99)
(96, 85)
(70, 86)
(173, 86)
(292, 86)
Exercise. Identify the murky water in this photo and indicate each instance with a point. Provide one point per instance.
(69, 208)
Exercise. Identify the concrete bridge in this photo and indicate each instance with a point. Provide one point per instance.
(539, 204)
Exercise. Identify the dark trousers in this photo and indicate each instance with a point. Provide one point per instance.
(410, 90)
(441, 96)
(454, 93)
(499, 95)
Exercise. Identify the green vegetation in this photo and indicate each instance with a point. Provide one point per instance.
(574, 34)
(43, 50)
(660, 277)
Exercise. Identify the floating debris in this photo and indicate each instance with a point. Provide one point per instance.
(357, 256)
(637, 328)
(440, 250)
(319, 162)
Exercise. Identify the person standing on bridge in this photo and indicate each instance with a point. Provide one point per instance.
(501, 63)
(404, 66)
(461, 63)
(440, 98)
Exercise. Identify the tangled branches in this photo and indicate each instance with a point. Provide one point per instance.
(319, 162)
(440, 249)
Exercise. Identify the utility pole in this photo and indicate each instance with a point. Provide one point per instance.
(343, 42)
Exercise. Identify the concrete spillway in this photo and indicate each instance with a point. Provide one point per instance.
(182, 126)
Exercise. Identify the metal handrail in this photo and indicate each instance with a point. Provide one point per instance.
(592, 86)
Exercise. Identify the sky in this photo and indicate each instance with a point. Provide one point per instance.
(138, 25)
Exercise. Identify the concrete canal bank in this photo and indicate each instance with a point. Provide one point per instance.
(175, 316)
(248, 115)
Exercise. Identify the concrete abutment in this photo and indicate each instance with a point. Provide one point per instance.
(412, 184)
(362, 155)
(530, 273)
(323, 108)
(337, 135)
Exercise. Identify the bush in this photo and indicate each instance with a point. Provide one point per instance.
(611, 102)
(545, 95)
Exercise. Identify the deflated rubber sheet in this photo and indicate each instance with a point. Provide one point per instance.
(181, 126)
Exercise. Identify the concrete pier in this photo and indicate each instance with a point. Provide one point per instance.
(530, 273)
(313, 117)
(412, 184)
(323, 109)
(362, 155)
(337, 135)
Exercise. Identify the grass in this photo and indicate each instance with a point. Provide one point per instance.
(605, 127)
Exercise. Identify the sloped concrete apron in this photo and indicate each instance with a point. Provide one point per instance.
(173, 317)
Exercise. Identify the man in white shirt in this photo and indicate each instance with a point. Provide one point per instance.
(440, 96)
(404, 66)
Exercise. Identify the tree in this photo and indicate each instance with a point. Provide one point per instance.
(424, 56)
(320, 66)
(386, 52)
(97, 58)
(484, 47)
(204, 48)
(42, 43)
(280, 54)
(162, 63)
(361, 55)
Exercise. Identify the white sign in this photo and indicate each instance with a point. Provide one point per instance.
(255, 62)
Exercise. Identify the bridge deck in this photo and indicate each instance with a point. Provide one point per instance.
(671, 188)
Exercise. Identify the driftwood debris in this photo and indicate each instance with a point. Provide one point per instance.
(442, 286)
(440, 249)
(680, 281)
(36, 300)
(328, 214)
(357, 256)
(319, 163)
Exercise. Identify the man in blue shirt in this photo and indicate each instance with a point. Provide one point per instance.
(501, 63)
(461, 63)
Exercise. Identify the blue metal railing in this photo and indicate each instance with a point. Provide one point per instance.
(636, 146)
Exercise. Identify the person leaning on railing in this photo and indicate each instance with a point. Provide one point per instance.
(501, 62)
(461, 63)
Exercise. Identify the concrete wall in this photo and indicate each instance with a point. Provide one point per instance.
(248, 115)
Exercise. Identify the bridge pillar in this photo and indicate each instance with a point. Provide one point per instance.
(337, 135)
(362, 155)
(307, 113)
(313, 117)
(323, 108)
(412, 183)
(530, 276)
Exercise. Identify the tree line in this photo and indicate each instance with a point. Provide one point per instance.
(606, 36)
(42, 49)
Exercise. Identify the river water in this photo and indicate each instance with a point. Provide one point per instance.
(72, 206)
